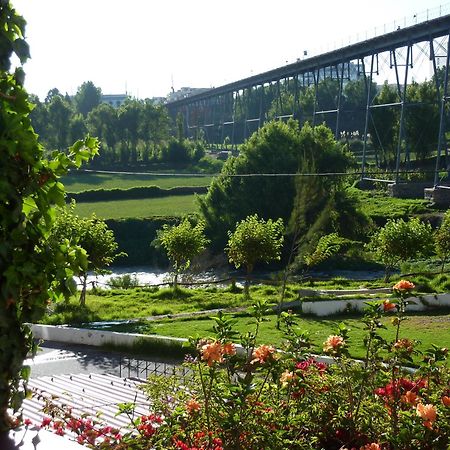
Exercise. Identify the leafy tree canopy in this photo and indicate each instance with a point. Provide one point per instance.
(243, 187)
(255, 240)
(91, 234)
(182, 243)
(88, 96)
(401, 241)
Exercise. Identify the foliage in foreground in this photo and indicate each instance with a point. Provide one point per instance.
(31, 272)
(265, 399)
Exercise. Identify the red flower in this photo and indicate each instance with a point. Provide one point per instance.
(46, 421)
(446, 400)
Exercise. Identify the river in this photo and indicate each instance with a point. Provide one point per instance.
(149, 276)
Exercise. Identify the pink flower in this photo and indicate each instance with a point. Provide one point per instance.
(28, 422)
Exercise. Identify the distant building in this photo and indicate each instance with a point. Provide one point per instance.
(184, 92)
(115, 100)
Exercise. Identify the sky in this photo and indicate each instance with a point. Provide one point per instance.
(146, 47)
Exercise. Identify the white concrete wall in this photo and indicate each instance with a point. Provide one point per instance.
(95, 338)
(323, 308)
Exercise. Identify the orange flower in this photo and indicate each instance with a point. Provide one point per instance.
(410, 397)
(372, 446)
(229, 349)
(427, 413)
(446, 400)
(192, 406)
(333, 343)
(388, 306)
(403, 285)
(262, 354)
(212, 353)
(404, 344)
(287, 377)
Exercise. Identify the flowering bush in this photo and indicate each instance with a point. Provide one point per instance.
(263, 399)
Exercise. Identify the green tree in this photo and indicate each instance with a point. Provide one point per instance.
(129, 119)
(88, 97)
(384, 124)
(255, 240)
(442, 240)
(401, 241)
(422, 119)
(31, 273)
(93, 235)
(242, 189)
(77, 128)
(182, 243)
(59, 115)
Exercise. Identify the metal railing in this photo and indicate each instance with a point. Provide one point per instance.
(140, 369)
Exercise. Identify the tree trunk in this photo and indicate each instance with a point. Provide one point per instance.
(175, 281)
(83, 278)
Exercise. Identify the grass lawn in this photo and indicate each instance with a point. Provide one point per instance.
(119, 304)
(380, 207)
(175, 205)
(79, 182)
(427, 328)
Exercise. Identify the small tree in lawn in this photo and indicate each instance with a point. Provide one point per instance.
(442, 240)
(401, 241)
(93, 235)
(255, 240)
(182, 243)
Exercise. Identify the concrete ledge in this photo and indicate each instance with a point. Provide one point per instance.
(408, 190)
(331, 307)
(437, 195)
(96, 338)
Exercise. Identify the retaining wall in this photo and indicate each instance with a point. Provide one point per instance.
(323, 308)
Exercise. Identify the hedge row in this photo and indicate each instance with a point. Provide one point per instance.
(101, 195)
(134, 237)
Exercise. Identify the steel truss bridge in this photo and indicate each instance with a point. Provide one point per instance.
(231, 113)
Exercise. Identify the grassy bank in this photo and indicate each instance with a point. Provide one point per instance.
(122, 209)
(84, 181)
